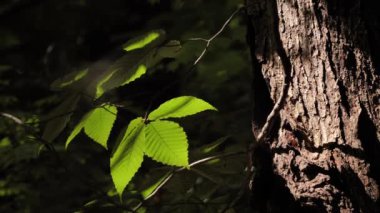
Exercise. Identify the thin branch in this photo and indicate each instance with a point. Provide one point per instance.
(52, 118)
(208, 41)
(73, 111)
(30, 129)
(193, 164)
(12, 117)
(272, 115)
(287, 67)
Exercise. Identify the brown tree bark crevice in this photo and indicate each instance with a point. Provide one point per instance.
(326, 145)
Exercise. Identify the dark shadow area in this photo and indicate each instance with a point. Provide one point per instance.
(354, 188)
(260, 95)
(371, 145)
(269, 193)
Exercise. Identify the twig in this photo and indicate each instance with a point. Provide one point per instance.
(273, 114)
(208, 41)
(12, 117)
(195, 163)
(29, 129)
(51, 148)
(287, 67)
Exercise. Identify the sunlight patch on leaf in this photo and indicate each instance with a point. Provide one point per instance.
(180, 107)
(141, 70)
(69, 79)
(123, 71)
(129, 155)
(141, 42)
(99, 86)
(166, 142)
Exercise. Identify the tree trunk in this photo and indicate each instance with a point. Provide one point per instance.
(316, 93)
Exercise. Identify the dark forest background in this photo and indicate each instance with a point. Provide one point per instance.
(41, 40)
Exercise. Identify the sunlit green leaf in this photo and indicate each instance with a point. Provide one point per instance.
(143, 40)
(97, 124)
(129, 155)
(180, 107)
(166, 142)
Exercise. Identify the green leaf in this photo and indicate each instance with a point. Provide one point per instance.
(144, 40)
(69, 79)
(97, 125)
(129, 155)
(135, 63)
(166, 142)
(143, 53)
(180, 107)
(141, 70)
(125, 70)
(59, 117)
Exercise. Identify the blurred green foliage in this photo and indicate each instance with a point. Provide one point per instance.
(42, 40)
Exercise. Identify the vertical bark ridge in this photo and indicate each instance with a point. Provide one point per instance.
(321, 151)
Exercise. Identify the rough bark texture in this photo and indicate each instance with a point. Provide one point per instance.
(323, 151)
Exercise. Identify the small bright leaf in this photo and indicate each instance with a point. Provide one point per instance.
(141, 41)
(166, 142)
(97, 125)
(180, 107)
(129, 155)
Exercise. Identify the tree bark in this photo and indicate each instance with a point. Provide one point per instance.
(316, 62)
